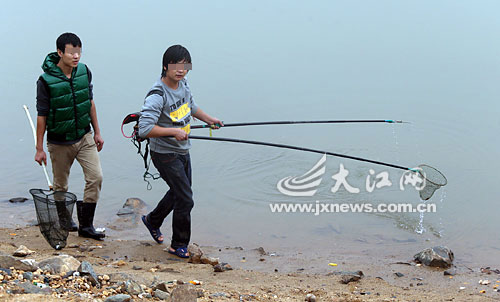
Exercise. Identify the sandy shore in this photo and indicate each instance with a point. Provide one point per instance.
(256, 276)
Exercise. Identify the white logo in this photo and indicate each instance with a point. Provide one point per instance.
(304, 185)
(307, 184)
(414, 177)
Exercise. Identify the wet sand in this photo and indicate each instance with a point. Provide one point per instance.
(257, 274)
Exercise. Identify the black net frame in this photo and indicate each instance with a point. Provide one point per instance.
(434, 180)
(54, 210)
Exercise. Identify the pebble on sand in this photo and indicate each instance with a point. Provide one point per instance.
(23, 251)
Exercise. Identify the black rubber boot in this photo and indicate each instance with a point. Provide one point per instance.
(86, 213)
(65, 219)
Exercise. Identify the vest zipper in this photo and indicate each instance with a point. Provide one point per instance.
(74, 106)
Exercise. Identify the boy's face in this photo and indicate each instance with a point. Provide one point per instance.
(71, 55)
(178, 71)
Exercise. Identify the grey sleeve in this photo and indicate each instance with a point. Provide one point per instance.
(194, 106)
(150, 113)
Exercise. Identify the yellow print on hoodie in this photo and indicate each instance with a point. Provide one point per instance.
(179, 114)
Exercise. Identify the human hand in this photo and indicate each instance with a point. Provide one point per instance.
(99, 142)
(40, 157)
(180, 135)
(216, 123)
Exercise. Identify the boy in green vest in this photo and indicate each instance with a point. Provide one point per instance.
(66, 111)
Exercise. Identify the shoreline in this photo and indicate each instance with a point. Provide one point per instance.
(258, 274)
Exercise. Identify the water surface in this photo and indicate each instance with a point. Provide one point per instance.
(434, 64)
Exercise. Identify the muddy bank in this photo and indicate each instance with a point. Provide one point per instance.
(257, 274)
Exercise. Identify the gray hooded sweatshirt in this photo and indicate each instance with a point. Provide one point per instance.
(167, 108)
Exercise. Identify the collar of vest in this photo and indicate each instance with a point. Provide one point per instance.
(49, 66)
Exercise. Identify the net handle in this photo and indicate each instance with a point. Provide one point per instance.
(34, 137)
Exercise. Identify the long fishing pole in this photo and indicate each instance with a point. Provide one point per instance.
(437, 179)
(224, 139)
(135, 117)
(300, 122)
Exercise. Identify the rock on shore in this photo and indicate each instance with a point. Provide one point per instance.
(438, 256)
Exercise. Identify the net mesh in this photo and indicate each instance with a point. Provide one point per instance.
(54, 211)
(433, 181)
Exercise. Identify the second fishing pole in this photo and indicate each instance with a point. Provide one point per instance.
(297, 122)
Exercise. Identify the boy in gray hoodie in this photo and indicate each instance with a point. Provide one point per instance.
(166, 119)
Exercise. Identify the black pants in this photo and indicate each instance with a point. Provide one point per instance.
(175, 169)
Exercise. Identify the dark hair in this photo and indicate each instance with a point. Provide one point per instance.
(175, 54)
(68, 38)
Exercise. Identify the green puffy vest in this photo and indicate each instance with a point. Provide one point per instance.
(69, 115)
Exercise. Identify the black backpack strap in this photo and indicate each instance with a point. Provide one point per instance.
(155, 91)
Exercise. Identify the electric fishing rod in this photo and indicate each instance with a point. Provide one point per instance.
(223, 139)
(299, 122)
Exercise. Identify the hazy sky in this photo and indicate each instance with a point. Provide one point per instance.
(383, 50)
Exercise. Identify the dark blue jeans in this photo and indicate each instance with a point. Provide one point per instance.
(175, 169)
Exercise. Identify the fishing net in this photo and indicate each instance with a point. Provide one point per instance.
(433, 181)
(54, 211)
